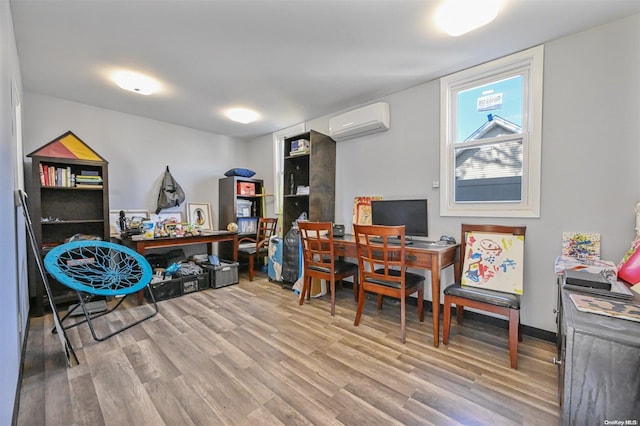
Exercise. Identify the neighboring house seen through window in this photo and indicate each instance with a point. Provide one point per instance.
(491, 138)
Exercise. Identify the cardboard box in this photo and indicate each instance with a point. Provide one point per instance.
(299, 146)
(246, 188)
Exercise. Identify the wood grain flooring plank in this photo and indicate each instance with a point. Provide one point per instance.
(196, 405)
(375, 369)
(171, 411)
(249, 383)
(383, 398)
(300, 403)
(123, 398)
(261, 416)
(286, 414)
(84, 401)
(149, 362)
(428, 415)
(459, 408)
(362, 413)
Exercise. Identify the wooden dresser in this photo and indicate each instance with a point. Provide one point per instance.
(599, 366)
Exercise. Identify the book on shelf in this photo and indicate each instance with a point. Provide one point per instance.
(55, 176)
(88, 182)
(91, 186)
(41, 167)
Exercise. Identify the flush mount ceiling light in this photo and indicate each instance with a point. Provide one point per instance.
(242, 115)
(136, 82)
(457, 17)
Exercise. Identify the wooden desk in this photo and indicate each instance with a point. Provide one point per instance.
(421, 255)
(141, 246)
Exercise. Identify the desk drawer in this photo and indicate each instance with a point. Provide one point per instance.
(346, 250)
(418, 259)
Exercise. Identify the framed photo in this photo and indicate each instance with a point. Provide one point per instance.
(200, 214)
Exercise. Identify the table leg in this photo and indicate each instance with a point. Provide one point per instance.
(435, 299)
(140, 295)
(235, 248)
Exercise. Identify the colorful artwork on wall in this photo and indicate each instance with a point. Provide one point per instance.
(585, 246)
(362, 209)
(494, 262)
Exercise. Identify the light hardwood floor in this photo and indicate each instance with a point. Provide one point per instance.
(248, 354)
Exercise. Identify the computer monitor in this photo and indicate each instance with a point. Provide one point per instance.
(410, 213)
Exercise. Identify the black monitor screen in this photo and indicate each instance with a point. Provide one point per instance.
(411, 213)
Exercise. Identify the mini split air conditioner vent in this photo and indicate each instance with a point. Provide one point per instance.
(362, 121)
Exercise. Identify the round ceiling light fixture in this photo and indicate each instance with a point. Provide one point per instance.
(457, 17)
(242, 115)
(136, 82)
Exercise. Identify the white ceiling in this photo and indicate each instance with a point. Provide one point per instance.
(292, 60)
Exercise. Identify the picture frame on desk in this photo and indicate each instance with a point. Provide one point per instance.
(130, 215)
(200, 214)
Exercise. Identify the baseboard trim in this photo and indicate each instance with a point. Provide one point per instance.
(23, 352)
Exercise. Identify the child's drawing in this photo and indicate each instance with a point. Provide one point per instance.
(584, 246)
(494, 261)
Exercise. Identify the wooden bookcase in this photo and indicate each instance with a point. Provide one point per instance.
(238, 208)
(316, 170)
(60, 208)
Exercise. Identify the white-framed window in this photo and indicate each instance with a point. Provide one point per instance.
(278, 169)
(491, 138)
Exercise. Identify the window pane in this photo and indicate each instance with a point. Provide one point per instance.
(489, 173)
(490, 110)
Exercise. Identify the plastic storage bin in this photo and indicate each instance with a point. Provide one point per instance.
(223, 275)
(244, 208)
(191, 283)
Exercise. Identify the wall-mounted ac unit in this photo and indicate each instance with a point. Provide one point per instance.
(359, 122)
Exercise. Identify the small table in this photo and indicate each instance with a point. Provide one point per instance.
(141, 246)
(433, 256)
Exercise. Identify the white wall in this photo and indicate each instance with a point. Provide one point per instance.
(590, 156)
(14, 300)
(138, 149)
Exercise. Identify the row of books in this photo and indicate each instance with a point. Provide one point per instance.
(63, 177)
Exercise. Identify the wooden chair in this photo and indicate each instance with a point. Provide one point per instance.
(320, 260)
(260, 243)
(381, 259)
(496, 302)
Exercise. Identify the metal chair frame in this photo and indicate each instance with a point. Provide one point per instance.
(100, 268)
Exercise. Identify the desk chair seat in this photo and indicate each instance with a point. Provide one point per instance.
(497, 302)
(339, 266)
(320, 260)
(411, 279)
(497, 298)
